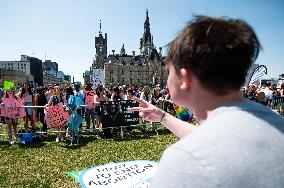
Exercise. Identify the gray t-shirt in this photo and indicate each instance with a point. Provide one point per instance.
(239, 145)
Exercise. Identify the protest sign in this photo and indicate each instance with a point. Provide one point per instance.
(116, 114)
(55, 115)
(75, 174)
(21, 111)
(9, 109)
(130, 174)
(98, 77)
(89, 98)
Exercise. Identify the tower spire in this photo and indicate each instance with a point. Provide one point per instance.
(100, 26)
(146, 43)
(147, 17)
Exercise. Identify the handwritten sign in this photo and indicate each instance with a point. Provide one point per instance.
(125, 174)
(89, 98)
(98, 77)
(55, 115)
(9, 107)
(21, 111)
(116, 114)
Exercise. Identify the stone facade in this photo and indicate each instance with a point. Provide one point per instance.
(14, 75)
(51, 79)
(122, 70)
(148, 68)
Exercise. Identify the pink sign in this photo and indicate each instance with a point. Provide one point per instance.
(55, 115)
(89, 98)
(9, 107)
(21, 111)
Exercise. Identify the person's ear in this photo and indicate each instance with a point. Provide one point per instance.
(185, 79)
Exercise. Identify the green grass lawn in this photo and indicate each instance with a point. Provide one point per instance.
(45, 164)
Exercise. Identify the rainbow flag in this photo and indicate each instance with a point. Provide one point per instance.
(183, 113)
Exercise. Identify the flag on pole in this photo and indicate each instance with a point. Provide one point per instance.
(257, 74)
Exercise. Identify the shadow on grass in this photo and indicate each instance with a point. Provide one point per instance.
(4, 145)
(32, 145)
(140, 135)
(83, 140)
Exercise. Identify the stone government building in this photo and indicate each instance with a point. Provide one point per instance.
(147, 68)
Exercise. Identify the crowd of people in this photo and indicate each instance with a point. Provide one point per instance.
(266, 95)
(238, 143)
(73, 98)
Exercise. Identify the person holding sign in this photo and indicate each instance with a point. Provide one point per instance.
(55, 99)
(27, 94)
(238, 143)
(100, 96)
(89, 95)
(9, 111)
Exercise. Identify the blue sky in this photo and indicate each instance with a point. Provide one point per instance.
(65, 30)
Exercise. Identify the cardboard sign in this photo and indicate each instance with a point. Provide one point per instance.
(9, 107)
(89, 98)
(125, 174)
(21, 111)
(98, 77)
(55, 115)
(116, 114)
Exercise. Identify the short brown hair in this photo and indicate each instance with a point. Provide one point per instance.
(218, 51)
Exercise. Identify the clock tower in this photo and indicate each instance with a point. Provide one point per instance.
(101, 50)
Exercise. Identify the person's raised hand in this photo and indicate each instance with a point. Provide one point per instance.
(148, 111)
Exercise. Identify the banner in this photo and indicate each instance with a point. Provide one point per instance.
(90, 98)
(98, 77)
(8, 84)
(116, 114)
(130, 174)
(55, 115)
(257, 74)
